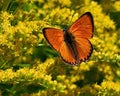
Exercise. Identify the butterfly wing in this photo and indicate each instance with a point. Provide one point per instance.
(82, 30)
(55, 38)
(84, 48)
(67, 54)
(83, 27)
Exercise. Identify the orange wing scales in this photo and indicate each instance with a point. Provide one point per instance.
(84, 48)
(82, 30)
(73, 44)
(83, 26)
(66, 54)
(54, 37)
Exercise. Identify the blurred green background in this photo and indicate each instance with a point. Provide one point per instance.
(30, 67)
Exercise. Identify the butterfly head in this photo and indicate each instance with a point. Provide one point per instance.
(65, 29)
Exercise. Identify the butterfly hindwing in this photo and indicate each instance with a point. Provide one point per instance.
(83, 48)
(67, 53)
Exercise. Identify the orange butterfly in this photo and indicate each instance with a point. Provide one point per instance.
(73, 44)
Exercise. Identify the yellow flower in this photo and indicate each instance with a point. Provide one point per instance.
(116, 5)
(65, 2)
(111, 85)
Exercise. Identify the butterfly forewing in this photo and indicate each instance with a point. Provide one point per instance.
(54, 37)
(83, 27)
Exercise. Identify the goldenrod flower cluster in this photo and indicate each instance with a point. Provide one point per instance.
(116, 5)
(29, 66)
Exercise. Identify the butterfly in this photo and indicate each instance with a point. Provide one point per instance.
(72, 43)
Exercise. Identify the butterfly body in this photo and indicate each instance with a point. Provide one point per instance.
(72, 43)
(68, 37)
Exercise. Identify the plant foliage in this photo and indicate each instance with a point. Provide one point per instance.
(30, 67)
